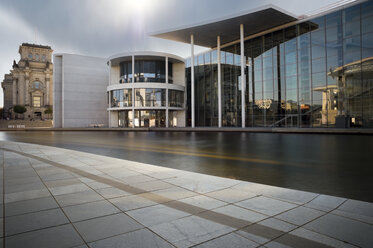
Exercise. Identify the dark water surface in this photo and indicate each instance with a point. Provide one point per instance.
(339, 165)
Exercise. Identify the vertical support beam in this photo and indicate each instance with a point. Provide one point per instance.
(166, 92)
(192, 77)
(133, 91)
(14, 91)
(27, 83)
(243, 78)
(219, 83)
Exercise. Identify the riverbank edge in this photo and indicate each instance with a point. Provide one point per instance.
(209, 129)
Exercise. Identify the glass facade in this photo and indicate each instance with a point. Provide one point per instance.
(150, 97)
(146, 71)
(175, 98)
(121, 98)
(318, 73)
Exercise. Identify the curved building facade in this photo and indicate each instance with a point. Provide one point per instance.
(146, 89)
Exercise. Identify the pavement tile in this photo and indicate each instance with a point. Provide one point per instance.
(138, 239)
(231, 195)
(62, 190)
(107, 226)
(362, 211)
(203, 202)
(300, 215)
(174, 193)
(154, 215)
(338, 227)
(112, 192)
(310, 235)
(190, 231)
(325, 202)
(24, 187)
(231, 240)
(78, 198)
(152, 185)
(26, 195)
(138, 179)
(89, 210)
(56, 237)
(33, 221)
(28, 206)
(63, 182)
(132, 202)
(266, 205)
(266, 230)
(240, 213)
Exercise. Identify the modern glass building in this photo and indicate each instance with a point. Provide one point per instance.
(146, 89)
(298, 72)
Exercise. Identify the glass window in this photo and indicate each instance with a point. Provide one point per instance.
(36, 101)
(366, 9)
(43, 57)
(30, 55)
(150, 71)
(367, 45)
(351, 21)
(318, 65)
(150, 97)
(333, 19)
(291, 69)
(175, 98)
(318, 79)
(367, 24)
(36, 85)
(351, 49)
(125, 71)
(121, 98)
(37, 56)
(291, 82)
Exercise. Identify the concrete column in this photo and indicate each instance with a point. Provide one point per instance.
(166, 92)
(27, 83)
(219, 82)
(47, 86)
(192, 76)
(20, 91)
(133, 91)
(109, 118)
(243, 78)
(14, 91)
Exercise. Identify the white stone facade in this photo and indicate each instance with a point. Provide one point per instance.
(80, 98)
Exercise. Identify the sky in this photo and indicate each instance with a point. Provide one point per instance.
(106, 27)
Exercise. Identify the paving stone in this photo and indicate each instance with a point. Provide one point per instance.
(325, 202)
(203, 202)
(26, 195)
(266, 230)
(231, 240)
(351, 231)
(63, 182)
(190, 231)
(310, 235)
(153, 215)
(132, 202)
(174, 193)
(300, 215)
(28, 206)
(24, 187)
(78, 198)
(152, 185)
(62, 190)
(358, 210)
(56, 237)
(138, 239)
(231, 195)
(33, 221)
(104, 227)
(90, 210)
(266, 205)
(112, 192)
(241, 213)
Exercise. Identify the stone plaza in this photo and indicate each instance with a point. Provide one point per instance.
(55, 197)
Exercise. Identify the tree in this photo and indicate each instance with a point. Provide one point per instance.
(48, 111)
(19, 109)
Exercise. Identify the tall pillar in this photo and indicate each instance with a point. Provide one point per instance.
(219, 82)
(192, 76)
(243, 78)
(133, 91)
(14, 91)
(27, 83)
(20, 91)
(166, 92)
(47, 89)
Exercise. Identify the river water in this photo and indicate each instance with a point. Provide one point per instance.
(340, 165)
